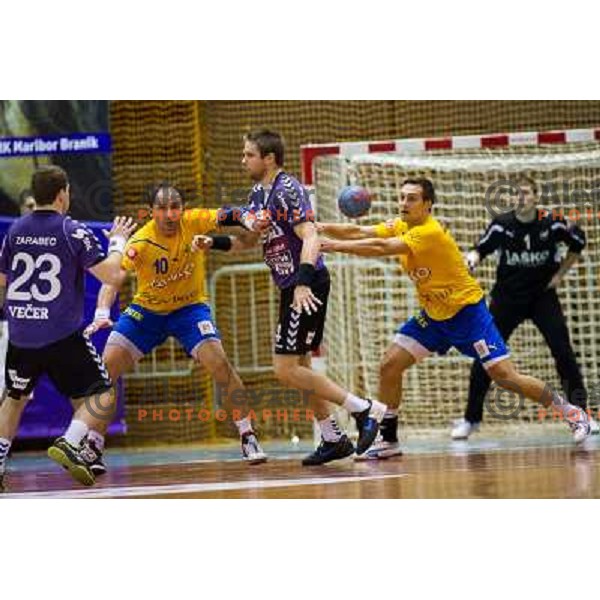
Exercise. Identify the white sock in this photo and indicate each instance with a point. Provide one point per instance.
(355, 404)
(76, 432)
(330, 430)
(97, 438)
(244, 425)
(4, 448)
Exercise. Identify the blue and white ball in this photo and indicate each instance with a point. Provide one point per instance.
(354, 201)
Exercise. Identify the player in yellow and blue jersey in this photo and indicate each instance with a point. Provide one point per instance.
(171, 300)
(453, 311)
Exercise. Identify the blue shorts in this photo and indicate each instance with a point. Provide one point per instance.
(472, 331)
(141, 330)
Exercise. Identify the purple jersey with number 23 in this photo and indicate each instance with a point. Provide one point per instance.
(44, 256)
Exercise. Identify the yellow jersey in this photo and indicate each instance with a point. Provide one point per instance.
(436, 266)
(169, 274)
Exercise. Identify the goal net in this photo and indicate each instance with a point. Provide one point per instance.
(370, 298)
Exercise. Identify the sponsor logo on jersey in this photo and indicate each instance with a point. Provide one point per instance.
(420, 274)
(186, 272)
(84, 236)
(206, 328)
(527, 259)
(481, 348)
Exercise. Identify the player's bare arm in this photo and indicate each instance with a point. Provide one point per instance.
(106, 298)
(227, 243)
(367, 247)
(253, 221)
(346, 231)
(304, 299)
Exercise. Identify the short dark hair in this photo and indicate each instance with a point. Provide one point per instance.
(166, 187)
(47, 182)
(526, 180)
(426, 186)
(268, 142)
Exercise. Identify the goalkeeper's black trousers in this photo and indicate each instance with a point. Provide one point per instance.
(547, 315)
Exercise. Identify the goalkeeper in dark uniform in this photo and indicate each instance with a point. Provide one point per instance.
(529, 272)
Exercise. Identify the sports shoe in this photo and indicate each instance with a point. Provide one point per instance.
(367, 423)
(252, 453)
(93, 457)
(380, 450)
(594, 427)
(328, 451)
(68, 456)
(462, 429)
(579, 425)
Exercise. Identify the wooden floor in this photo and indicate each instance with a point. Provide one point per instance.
(543, 467)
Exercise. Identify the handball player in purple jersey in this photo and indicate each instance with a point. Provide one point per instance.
(279, 208)
(43, 261)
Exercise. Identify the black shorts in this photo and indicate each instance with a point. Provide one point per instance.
(72, 364)
(300, 333)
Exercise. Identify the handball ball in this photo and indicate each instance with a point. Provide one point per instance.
(354, 201)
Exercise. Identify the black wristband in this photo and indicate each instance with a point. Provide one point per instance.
(221, 242)
(306, 274)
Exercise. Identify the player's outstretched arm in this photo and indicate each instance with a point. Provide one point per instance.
(346, 231)
(491, 240)
(257, 222)
(366, 247)
(225, 243)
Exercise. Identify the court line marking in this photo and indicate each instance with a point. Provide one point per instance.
(187, 488)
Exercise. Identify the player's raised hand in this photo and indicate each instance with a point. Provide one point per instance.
(121, 230)
(202, 243)
(122, 227)
(101, 321)
(305, 300)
